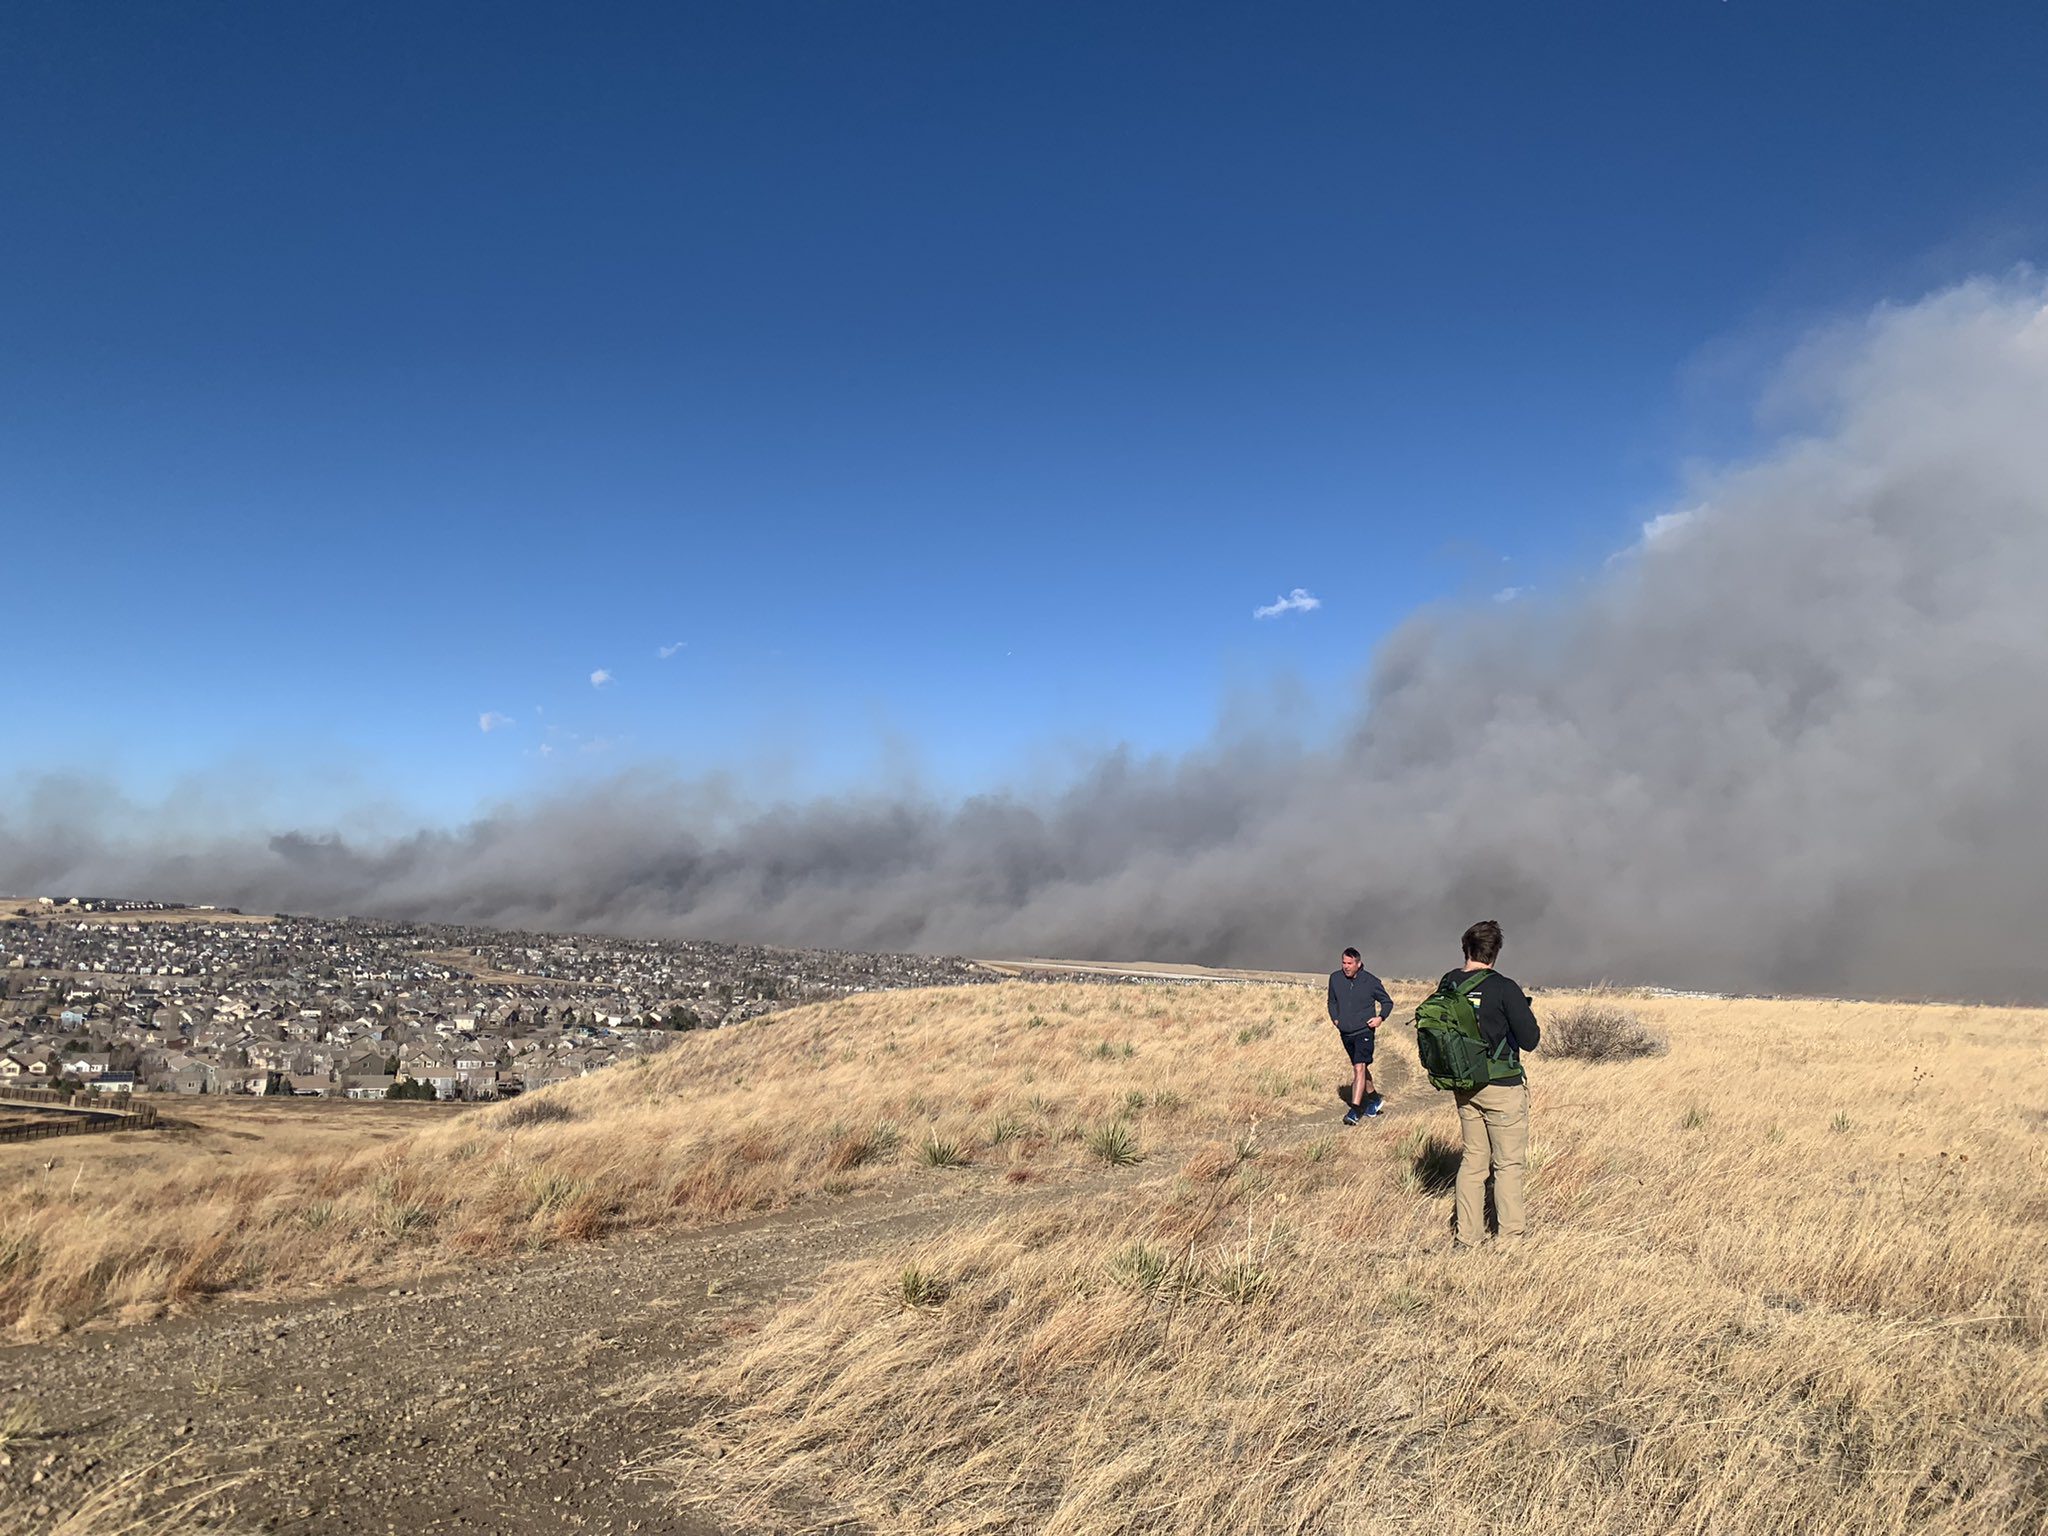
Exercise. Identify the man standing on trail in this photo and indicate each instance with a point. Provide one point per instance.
(1494, 1118)
(1358, 1006)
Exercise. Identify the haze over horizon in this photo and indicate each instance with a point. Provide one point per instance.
(896, 478)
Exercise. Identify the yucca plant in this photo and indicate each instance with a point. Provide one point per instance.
(1115, 1144)
(939, 1152)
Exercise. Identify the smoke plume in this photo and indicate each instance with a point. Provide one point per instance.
(1793, 740)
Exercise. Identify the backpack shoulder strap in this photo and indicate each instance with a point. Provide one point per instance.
(1472, 979)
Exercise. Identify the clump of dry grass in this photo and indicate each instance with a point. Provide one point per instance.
(539, 1110)
(156, 1499)
(1776, 1326)
(1599, 1026)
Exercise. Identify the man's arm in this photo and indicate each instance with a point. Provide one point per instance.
(1522, 1020)
(1382, 1001)
(1333, 999)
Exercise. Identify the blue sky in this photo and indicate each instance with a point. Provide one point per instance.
(952, 381)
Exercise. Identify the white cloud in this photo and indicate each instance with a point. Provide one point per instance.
(600, 678)
(490, 720)
(1509, 594)
(1666, 524)
(1659, 531)
(666, 651)
(1300, 600)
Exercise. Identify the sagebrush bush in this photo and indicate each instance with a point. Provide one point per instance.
(1600, 1027)
(525, 1111)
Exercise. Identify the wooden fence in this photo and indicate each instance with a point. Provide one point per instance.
(55, 1116)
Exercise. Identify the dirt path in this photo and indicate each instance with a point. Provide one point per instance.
(492, 1400)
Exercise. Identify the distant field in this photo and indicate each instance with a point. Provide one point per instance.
(471, 964)
(17, 906)
(205, 1132)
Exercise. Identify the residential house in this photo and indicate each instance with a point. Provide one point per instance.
(438, 1070)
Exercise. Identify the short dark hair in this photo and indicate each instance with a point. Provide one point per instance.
(1352, 954)
(1482, 942)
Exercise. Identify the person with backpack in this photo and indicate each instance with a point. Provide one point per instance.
(1471, 1033)
(1358, 1006)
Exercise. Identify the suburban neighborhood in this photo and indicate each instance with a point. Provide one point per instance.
(187, 1000)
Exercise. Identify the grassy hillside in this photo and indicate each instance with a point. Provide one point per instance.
(820, 1102)
(1791, 1276)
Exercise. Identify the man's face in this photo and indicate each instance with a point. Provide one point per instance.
(1351, 964)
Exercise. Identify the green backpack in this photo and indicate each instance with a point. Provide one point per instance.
(1454, 1053)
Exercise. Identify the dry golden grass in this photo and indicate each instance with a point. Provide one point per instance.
(155, 1499)
(1791, 1277)
(825, 1100)
(214, 1131)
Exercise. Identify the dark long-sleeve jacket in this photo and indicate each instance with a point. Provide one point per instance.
(1502, 1009)
(1358, 1002)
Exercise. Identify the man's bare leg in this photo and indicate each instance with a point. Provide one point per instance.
(1361, 1085)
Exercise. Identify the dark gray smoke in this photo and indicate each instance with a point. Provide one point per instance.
(1793, 741)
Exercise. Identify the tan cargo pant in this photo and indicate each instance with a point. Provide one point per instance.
(1495, 1123)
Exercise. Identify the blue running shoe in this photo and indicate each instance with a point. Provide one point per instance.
(1352, 1117)
(1376, 1105)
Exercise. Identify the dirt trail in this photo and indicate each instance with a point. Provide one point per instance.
(499, 1399)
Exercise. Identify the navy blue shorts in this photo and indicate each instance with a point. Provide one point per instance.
(1359, 1046)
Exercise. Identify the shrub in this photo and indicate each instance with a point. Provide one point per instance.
(937, 1152)
(1600, 1027)
(537, 1112)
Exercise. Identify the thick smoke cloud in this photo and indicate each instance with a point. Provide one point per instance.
(1793, 741)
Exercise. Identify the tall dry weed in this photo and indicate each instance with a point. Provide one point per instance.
(1600, 1026)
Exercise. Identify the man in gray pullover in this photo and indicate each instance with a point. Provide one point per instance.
(1358, 1006)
